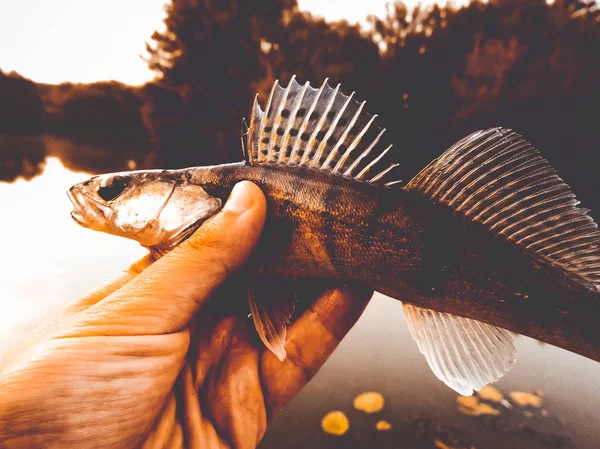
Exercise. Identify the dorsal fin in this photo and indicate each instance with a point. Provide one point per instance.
(499, 180)
(319, 128)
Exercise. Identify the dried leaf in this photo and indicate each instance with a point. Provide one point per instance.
(471, 406)
(490, 394)
(383, 425)
(335, 423)
(369, 402)
(522, 398)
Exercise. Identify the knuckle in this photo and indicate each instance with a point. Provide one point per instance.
(304, 368)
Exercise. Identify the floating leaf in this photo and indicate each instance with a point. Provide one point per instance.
(470, 405)
(522, 398)
(335, 422)
(490, 394)
(441, 445)
(383, 425)
(369, 402)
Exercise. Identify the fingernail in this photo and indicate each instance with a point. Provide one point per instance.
(240, 199)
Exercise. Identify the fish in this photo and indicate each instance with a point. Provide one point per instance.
(485, 241)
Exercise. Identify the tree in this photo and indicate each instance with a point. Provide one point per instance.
(527, 65)
(210, 55)
(21, 108)
(314, 49)
(107, 109)
(432, 75)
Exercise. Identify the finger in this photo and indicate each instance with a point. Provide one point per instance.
(166, 295)
(310, 342)
(111, 286)
(56, 321)
(234, 396)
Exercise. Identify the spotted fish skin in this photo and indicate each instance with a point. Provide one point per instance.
(403, 246)
(319, 225)
(486, 238)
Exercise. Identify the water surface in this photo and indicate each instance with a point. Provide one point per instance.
(49, 261)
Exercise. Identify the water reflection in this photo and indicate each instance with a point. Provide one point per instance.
(379, 355)
(49, 261)
(24, 156)
(21, 156)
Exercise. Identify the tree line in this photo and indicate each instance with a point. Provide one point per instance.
(432, 75)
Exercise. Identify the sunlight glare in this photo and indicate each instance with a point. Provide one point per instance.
(49, 260)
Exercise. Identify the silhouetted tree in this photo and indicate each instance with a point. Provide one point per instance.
(432, 75)
(107, 109)
(21, 108)
(164, 115)
(527, 65)
(314, 49)
(210, 53)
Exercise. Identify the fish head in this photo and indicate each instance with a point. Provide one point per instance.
(157, 208)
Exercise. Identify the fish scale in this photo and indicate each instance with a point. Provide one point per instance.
(486, 238)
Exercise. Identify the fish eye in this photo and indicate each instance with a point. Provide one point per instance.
(112, 187)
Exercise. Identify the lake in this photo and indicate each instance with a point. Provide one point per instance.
(49, 261)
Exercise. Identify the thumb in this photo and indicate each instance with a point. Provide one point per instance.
(166, 296)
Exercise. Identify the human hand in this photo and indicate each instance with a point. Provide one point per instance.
(135, 365)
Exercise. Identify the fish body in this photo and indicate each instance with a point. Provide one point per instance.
(406, 247)
(485, 238)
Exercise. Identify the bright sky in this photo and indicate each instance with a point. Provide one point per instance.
(53, 41)
(78, 40)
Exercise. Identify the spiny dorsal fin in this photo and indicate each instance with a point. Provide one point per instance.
(499, 180)
(319, 128)
(465, 354)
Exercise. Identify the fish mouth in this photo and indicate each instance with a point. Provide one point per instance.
(86, 212)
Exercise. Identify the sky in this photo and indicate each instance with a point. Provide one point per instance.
(52, 41)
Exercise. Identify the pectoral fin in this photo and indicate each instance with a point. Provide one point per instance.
(272, 306)
(464, 354)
